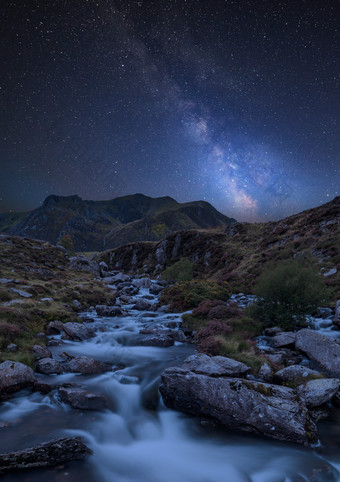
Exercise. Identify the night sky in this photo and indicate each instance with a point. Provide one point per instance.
(234, 102)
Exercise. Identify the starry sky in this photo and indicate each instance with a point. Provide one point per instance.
(235, 102)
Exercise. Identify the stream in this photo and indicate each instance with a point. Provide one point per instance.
(137, 439)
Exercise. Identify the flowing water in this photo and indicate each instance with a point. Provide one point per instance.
(137, 439)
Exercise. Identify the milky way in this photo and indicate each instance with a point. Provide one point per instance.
(233, 102)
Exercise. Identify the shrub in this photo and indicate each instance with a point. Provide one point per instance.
(287, 293)
(189, 294)
(179, 271)
(67, 243)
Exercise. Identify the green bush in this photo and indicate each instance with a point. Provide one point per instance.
(186, 295)
(67, 243)
(179, 271)
(287, 293)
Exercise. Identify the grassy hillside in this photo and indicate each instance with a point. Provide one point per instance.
(241, 253)
(42, 272)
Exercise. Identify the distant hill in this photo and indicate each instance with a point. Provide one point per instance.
(241, 253)
(100, 225)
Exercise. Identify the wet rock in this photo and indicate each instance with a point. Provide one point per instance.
(245, 405)
(155, 289)
(142, 282)
(120, 277)
(86, 365)
(284, 339)
(322, 350)
(153, 340)
(125, 299)
(178, 335)
(82, 399)
(15, 376)
(215, 366)
(336, 319)
(43, 387)
(272, 331)
(55, 327)
(164, 308)
(297, 374)
(142, 305)
(12, 347)
(51, 453)
(48, 366)
(316, 392)
(54, 342)
(41, 352)
(78, 331)
(265, 373)
(103, 310)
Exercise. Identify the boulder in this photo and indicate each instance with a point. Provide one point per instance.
(142, 305)
(215, 366)
(48, 366)
(336, 319)
(153, 340)
(77, 305)
(142, 282)
(81, 263)
(55, 327)
(78, 331)
(284, 339)
(15, 376)
(12, 347)
(322, 350)
(21, 293)
(265, 373)
(41, 352)
(103, 310)
(316, 392)
(47, 454)
(82, 399)
(86, 365)
(270, 410)
(155, 289)
(178, 335)
(297, 374)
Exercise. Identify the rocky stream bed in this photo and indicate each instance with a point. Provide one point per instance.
(99, 384)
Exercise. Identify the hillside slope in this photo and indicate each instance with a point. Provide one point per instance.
(240, 254)
(98, 225)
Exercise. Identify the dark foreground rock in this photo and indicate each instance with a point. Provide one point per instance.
(322, 350)
(86, 365)
(46, 454)
(82, 399)
(215, 366)
(317, 392)
(246, 405)
(103, 310)
(15, 376)
(153, 340)
(49, 366)
(77, 331)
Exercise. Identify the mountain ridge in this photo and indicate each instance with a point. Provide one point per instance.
(98, 225)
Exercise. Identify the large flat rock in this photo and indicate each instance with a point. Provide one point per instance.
(322, 350)
(215, 366)
(246, 405)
